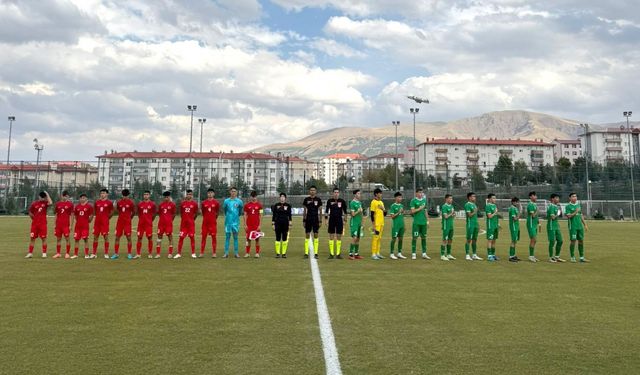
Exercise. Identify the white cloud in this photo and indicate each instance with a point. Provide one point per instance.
(335, 49)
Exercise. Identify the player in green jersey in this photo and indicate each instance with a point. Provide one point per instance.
(533, 225)
(553, 229)
(418, 207)
(493, 226)
(577, 226)
(472, 227)
(397, 232)
(448, 217)
(355, 225)
(514, 227)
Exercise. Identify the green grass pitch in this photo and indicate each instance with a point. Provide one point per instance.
(258, 316)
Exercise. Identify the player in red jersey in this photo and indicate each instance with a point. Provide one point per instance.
(166, 214)
(103, 209)
(38, 215)
(126, 211)
(188, 214)
(63, 210)
(146, 214)
(82, 216)
(209, 208)
(252, 214)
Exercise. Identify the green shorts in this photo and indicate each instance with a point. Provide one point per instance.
(472, 233)
(554, 235)
(419, 230)
(355, 231)
(533, 232)
(576, 234)
(397, 232)
(492, 234)
(515, 235)
(447, 234)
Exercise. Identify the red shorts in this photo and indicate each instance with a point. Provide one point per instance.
(209, 229)
(101, 229)
(165, 228)
(251, 229)
(38, 231)
(145, 230)
(123, 228)
(187, 229)
(60, 231)
(81, 233)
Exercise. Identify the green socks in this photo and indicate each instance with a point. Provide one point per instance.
(531, 251)
(466, 248)
(572, 250)
(581, 250)
(512, 251)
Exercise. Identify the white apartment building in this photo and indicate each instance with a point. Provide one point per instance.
(611, 145)
(260, 171)
(567, 148)
(55, 174)
(449, 158)
(336, 165)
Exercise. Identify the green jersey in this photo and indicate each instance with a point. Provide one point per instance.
(398, 221)
(532, 215)
(419, 218)
(575, 223)
(447, 223)
(514, 218)
(354, 206)
(552, 223)
(472, 221)
(492, 223)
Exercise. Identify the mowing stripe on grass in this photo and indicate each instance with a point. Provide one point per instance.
(331, 360)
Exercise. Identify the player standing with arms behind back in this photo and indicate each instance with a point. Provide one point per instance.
(493, 226)
(420, 225)
(281, 222)
(448, 217)
(232, 208)
(355, 225)
(103, 210)
(188, 214)
(533, 225)
(210, 209)
(64, 211)
(252, 214)
(335, 217)
(166, 214)
(38, 215)
(312, 220)
(126, 210)
(577, 226)
(146, 214)
(472, 227)
(82, 216)
(396, 211)
(553, 229)
(514, 227)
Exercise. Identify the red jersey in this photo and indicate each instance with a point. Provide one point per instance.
(63, 214)
(125, 208)
(252, 214)
(103, 209)
(166, 212)
(146, 213)
(210, 209)
(188, 211)
(39, 211)
(82, 212)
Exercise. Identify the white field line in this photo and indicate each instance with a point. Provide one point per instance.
(331, 359)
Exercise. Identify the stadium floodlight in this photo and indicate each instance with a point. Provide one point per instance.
(11, 120)
(396, 124)
(38, 147)
(191, 108)
(414, 112)
(628, 114)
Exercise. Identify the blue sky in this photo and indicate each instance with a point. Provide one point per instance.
(85, 76)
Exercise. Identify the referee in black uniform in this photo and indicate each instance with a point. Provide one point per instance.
(312, 219)
(336, 215)
(281, 221)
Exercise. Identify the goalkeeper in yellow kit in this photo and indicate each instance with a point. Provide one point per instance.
(377, 212)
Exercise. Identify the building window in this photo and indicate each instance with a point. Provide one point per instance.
(164, 169)
(164, 179)
(164, 160)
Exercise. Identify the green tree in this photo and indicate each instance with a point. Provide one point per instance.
(343, 183)
(296, 188)
(563, 171)
(503, 171)
(477, 180)
(282, 186)
(520, 173)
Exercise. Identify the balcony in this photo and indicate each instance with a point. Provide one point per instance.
(442, 158)
(472, 151)
(443, 150)
(614, 149)
(473, 158)
(613, 140)
(506, 152)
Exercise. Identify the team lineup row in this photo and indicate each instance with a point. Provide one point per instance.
(334, 216)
